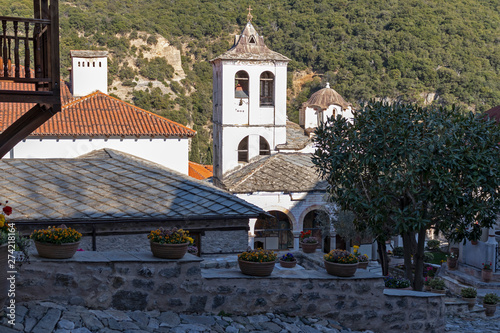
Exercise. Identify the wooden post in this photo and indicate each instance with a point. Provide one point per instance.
(27, 70)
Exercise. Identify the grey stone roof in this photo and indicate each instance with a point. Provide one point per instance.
(296, 139)
(276, 173)
(250, 46)
(108, 185)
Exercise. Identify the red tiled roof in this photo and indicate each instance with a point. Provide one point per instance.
(93, 115)
(200, 171)
(494, 113)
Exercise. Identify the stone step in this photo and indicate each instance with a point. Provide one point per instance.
(457, 306)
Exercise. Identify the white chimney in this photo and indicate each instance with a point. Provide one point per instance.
(89, 72)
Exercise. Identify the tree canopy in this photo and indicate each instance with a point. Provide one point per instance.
(403, 169)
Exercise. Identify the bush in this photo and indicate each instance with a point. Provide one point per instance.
(428, 257)
(398, 251)
(433, 245)
(437, 284)
(491, 298)
(395, 282)
(468, 292)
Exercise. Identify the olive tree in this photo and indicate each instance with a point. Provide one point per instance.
(402, 169)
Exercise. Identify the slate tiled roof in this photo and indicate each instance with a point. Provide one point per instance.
(107, 185)
(250, 46)
(276, 173)
(494, 113)
(200, 171)
(324, 98)
(296, 139)
(96, 115)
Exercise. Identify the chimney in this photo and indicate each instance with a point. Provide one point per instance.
(89, 72)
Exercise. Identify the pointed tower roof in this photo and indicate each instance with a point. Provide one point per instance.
(250, 46)
(324, 98)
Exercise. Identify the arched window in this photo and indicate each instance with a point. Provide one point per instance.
(264, 147)
(267, 89)
(273, 233)
(243, 150)
(241, 85)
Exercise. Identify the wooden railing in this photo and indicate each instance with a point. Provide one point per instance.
(29, 54)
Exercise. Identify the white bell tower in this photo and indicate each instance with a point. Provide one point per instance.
(249, 102)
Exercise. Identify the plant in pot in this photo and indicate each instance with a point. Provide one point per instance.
(257, 262)
(394, 282)
(288, 261)
(362, 258)
(487, 272)
(169, 243)
(452, 261)
(490, 302)
(437, 286)
(56, 242)
(469, 295)
(340, 263)
(308, 242)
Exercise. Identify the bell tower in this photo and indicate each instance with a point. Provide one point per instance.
(249, 102)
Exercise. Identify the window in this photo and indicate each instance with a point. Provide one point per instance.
(93, 64)
(99, 64)
(79, 64)
(267, 89)
(241, 85)
(243, 150)
(264, 147)
(252, 40)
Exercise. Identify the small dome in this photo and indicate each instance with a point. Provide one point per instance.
(324, 98)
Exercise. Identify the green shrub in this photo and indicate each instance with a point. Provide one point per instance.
(491, 298)
(398, 251)
(433, 245)
(396, 282)
(428, 257)
(468, 292)
(437, 284)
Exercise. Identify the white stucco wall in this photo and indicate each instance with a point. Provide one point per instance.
(89, 75)
(171, 153)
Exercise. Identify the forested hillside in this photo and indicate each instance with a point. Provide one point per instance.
(445, 51)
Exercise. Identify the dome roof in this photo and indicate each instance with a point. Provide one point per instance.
(324, 98)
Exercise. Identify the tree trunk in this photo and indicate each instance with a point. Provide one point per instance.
(407, 253)
(382, 254)
(418, 283)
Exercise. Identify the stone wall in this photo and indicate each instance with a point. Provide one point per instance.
(138, 281)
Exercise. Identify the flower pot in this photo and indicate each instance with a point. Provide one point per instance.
(470, 302)
(288, 264)
(438, 291)
(169, 251)
(363, 264)
(309, 247)
(427, 288)
(256, 268)
(56, 251)
(455, 250)
(473, 242)
(343, 270)
(486, 275)
(452, 264)
(489, 309)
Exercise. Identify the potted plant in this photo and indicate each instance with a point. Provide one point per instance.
(452, 261)
(487, 272)
(437, 286)
(340, 263)
(427, 283)
(308, 242)
(396, 282)
(469, 295)
(490, 302)
(362, 258)
(288, 260)
(192, 250)
(169, 243)
(56, 242)
(257, 262)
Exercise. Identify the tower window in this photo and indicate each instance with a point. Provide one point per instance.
(243, 150)
(79, 64)
(252, 40)
(241, 85)
(267, 89)
(99, 64)
(264, 146)
(88, 64)
(93, 64)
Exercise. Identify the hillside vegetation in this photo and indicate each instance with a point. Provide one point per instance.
(446, 52)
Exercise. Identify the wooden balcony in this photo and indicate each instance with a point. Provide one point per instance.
(29, 62)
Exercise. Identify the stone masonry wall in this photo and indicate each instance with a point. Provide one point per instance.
(138, 281)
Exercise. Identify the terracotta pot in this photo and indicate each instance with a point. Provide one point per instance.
(256, 268)
(489, 309)
(470, 302)
(486, 275)
(56, 251)
(169, 251)
(438, 291)
(363, 265)
(343, 270)
(309, 247)
(452, 263)
(473, 242)
(288, 264)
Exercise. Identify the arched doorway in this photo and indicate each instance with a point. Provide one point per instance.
(312, 222)
(274, 233)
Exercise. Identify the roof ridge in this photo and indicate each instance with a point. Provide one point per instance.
(248, 175)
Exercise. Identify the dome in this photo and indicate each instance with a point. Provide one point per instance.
(324, 98)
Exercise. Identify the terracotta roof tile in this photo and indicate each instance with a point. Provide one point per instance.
(94, 115)
(200, 171)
